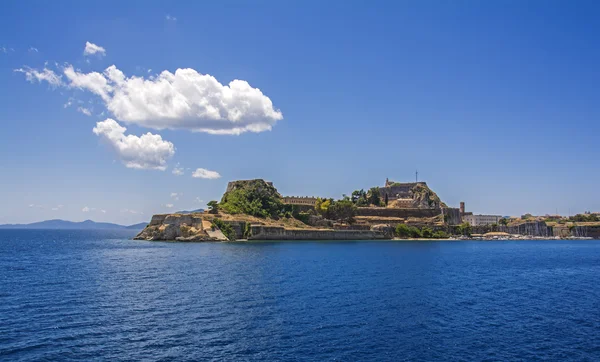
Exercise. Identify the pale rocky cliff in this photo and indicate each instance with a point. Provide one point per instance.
(180, 227)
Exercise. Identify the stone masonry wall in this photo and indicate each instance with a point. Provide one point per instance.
(260, 232)
(393, 212)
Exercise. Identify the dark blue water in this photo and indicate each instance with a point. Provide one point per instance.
(92, 295)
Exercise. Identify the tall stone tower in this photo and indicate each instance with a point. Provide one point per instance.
(462, 207)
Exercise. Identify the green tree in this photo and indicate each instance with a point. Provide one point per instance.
(414, 232)
(405, 231)
(255, 197)
(426, 232)
(465, 229)
(322, 206)
(503, 221)
(440, 235)
(359, 197)
(402, 231)
(374, 196)
(213, 207)
(343, 210)
(386, 200)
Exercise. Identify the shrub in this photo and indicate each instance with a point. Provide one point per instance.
(303, 216)
(405, 231)
(402, 231)
(225, 228)
(415, 232)
(440, 235)
(464, 229)
(426, 232)
(213, 207)
(255, 197)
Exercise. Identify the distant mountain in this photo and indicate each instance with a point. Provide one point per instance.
(71, 225)
(187, 212)
(139, 226)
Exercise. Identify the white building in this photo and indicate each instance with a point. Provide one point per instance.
(477, 220)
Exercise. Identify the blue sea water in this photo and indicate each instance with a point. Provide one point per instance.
(96, 295)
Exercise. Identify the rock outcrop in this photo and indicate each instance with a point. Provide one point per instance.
(180, 227)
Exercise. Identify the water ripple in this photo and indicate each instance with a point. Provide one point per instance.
(83, 295)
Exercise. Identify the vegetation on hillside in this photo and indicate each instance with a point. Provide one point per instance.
(255, 198)
(225, 228)
(360, 198)
(213, 207)
(588, 217)
(464, 229)
(405, 231)
(341, 210)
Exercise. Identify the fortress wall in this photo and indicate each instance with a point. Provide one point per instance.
(158, 219)
(260, 232)
(585, 231)
(452, 215)
(401, 190)
(238, 226)
(393, 212)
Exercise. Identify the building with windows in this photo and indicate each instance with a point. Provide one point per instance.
(478, 220)
(299, 200)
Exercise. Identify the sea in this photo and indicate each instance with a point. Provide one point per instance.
(98, 295)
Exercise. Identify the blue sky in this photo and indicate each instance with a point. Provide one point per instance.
(495, 103)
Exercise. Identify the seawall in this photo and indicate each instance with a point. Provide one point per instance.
(260, 232)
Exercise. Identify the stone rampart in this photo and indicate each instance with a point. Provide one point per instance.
(260, 232)
(158, 219)
(399, 190)
(393, 212)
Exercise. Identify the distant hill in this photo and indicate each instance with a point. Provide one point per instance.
(71, 225)
(188, 212)
(139, 226)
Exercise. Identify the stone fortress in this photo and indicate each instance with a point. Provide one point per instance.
(413, 204)
(401, 194)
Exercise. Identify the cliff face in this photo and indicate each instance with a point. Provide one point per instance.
(424, 198)
(180, 227)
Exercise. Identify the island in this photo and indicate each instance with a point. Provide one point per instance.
(255, 210)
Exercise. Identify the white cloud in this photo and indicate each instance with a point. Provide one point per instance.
(36, 206)
(33, 50)
(149, 151)
(94, 82)
(169, 206)
(88, 209)
(46, 74)
(185, 99)
(103, 211)
(170, 18)
(204, 173)
(178, 171)
(199, 200)
(3, 50)
(85, 111)
(175, 196)
(91, 48)
(132, 211)
(57, 208)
